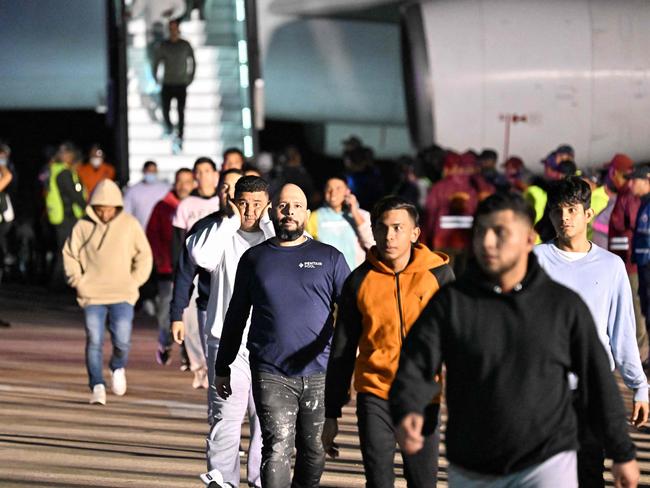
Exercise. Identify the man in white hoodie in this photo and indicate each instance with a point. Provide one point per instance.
(244, 223)
(107, 258)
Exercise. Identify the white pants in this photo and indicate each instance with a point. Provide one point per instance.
(222, 443)
(193, 335)
(559, 471)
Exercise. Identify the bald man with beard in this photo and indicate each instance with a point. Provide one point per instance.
(292, 283)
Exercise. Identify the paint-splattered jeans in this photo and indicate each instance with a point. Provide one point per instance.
(291, 413)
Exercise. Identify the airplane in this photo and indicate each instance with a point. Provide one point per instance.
(519, 76)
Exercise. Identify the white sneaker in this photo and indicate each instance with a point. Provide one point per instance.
(118, 385)
(213, 479)
(99, 395)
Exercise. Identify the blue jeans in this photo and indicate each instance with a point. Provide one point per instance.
(120, 323)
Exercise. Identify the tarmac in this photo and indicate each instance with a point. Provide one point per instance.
(154, 436)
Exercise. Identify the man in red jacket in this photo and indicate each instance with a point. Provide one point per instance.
(449, 209)
(159, 233)
(621, 230)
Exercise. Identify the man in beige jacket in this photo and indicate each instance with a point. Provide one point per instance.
(107, 258)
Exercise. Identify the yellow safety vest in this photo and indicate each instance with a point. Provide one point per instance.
(53, 200)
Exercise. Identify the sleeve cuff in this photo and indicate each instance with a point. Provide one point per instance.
(624, 455)
(332, 412)
(222, 371)
(641, 394)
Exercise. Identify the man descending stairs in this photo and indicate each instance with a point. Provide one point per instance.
(217, 113)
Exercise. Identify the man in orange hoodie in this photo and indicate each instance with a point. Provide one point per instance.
(380, 301)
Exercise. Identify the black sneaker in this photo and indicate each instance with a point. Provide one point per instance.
(4, 323)
(185, 359)
(163, 356)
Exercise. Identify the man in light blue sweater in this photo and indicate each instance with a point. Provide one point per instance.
(599, 277)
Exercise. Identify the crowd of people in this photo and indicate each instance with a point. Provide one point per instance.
(530, 290)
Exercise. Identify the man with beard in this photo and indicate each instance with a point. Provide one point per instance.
(292, 283)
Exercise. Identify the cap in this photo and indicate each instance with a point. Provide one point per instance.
(550, 161)
(621, 162)
(640, 172)
(468, 159)
(452, 160)
(565, 149)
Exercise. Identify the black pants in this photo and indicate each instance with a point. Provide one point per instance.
(644, 291)
(377, 436)
(61, 231)
(591, 454)
(292, 413)
(179, 92)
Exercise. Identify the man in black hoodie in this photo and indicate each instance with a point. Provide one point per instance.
(508, 336)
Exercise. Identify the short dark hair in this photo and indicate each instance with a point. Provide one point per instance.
(567, 167)
(392, 202)
(337, 177)
(148, 164)
(181, 170)
(488, 154)
(232, 150)
(203, 160)
(506, 201)
(571, 190)
(251, 184)
(226, 172)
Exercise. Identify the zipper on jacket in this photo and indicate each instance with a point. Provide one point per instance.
(399, 308)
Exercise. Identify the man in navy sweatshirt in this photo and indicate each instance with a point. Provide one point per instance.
(508, 336)
(292, 283)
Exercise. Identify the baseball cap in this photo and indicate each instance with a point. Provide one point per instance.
(621, 162)
(640, 172)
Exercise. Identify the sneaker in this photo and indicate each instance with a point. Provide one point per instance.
(99, 395)
(213, 479)
(200, 379)
(163, 355)
(4, 323)
(149, 307)
(118, 385)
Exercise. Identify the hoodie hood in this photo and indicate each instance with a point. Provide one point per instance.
(106, 193)
(422, 259)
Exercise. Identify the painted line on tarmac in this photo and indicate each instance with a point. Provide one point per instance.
(177, 409)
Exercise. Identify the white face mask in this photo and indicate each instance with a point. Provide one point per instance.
(96, 162)
(3, 161)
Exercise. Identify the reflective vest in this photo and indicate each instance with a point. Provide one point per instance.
(641, 239)
(53, 200)
(599, 202)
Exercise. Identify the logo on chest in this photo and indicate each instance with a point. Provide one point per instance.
(310, 264)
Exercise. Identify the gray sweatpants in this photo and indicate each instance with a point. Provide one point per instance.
(222, 444)
(560, 470)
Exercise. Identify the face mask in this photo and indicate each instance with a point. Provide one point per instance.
(150, 177)
(3, 161)
(96, 162)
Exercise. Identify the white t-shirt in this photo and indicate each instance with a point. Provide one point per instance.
(193, 209)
